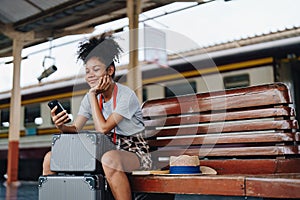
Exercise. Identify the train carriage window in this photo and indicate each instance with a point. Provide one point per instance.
(4, 118)
(241, 80)
(145, 94)
(31, 113)
(180, 89)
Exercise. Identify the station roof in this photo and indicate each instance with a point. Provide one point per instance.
(44, 19)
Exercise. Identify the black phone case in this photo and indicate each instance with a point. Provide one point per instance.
(59, 109)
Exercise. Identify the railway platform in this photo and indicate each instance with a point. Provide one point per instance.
(24, 190)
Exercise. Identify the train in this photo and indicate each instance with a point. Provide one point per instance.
(193, 72)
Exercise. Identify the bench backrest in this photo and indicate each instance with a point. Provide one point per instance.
(233, 131)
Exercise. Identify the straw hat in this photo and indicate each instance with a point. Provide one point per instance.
(189, 165)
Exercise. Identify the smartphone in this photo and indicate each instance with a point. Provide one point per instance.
(59, 109)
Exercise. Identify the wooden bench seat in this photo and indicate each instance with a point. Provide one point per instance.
(270, 186)
(241, 133)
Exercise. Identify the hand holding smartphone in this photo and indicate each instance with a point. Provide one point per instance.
(59, 109)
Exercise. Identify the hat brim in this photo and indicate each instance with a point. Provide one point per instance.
(195, 174)
(208, 170)
(204, 169)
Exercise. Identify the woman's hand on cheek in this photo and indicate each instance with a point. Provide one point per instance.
(106, 83)
(102, 86)
(96, 89)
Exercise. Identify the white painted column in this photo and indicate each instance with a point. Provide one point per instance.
(134, 76)
(15, 117)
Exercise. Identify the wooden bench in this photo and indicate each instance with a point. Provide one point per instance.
(248, 135)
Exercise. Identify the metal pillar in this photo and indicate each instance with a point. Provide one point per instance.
(134, 76)
(14, 120)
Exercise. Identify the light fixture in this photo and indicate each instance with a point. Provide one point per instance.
(38, 121)
(5, 124)
(50, 70)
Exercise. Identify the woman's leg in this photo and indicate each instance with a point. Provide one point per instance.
(115, 165)
(46, 164)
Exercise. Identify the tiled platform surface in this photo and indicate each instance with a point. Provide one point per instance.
(24, 191)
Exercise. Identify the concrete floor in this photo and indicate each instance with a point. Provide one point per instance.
(23, 190)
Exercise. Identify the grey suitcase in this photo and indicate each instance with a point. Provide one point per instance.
(80, 152)
(67, 187)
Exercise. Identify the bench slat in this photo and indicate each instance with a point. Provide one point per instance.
(274, 94)
(281, 186)
(252, 166)
(214, 185)
(271, 137)
(230, 151)
(248, 166)
(237, 126)
(224, 116)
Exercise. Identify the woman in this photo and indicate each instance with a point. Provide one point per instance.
(115, 111)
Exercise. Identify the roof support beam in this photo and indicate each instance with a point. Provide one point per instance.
(9, 31)
(134, 76)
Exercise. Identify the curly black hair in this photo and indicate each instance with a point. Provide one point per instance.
(104, 47)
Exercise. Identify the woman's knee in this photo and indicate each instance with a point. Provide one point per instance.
(47, 158)
(120, 161)
(46, 163)
(112, 160)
